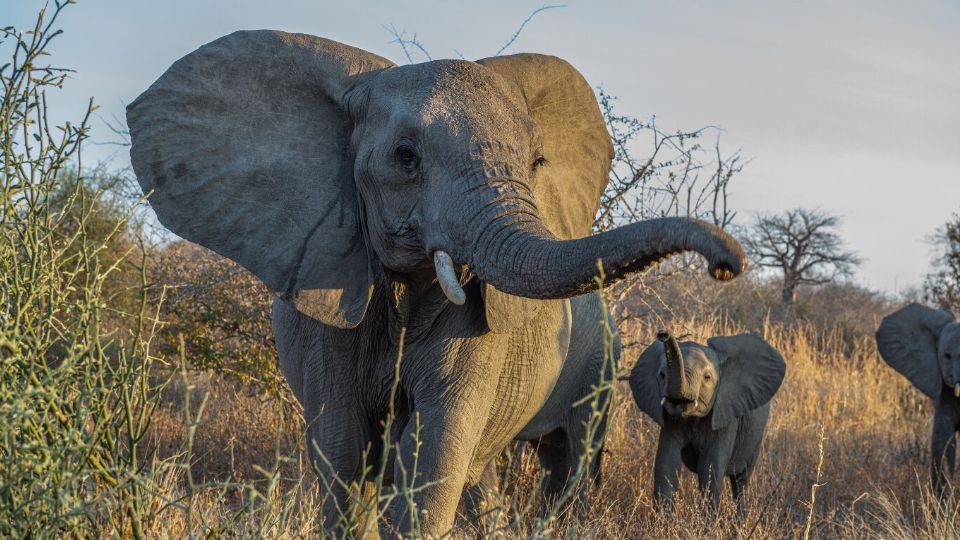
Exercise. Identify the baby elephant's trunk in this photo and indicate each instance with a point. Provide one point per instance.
(677, 385)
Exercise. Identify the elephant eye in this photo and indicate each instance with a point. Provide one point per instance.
(947, 355)
(407, 158)
(707, 377)
(538, 162)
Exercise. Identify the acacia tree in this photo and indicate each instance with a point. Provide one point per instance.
(942, 286)
(804, 245)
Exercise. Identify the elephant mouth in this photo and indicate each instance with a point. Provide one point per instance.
(681, 406)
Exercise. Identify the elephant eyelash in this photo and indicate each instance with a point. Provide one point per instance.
(539, 162)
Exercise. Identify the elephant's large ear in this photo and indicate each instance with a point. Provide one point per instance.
(907, 340)
(643, 382)
(243, 146)
(750, 374)
(577, 150)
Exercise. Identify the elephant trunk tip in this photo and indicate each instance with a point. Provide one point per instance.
(722, 271)
(729, 261)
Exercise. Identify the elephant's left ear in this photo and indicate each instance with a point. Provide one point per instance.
(643, 382)
(577, 150)
(751, 372)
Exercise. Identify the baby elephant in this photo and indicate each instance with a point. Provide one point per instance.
(923, 344)
(712, 404)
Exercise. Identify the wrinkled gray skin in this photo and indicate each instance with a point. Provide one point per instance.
(923, 344)
(712, 403)
(349, 185)
(559, 431)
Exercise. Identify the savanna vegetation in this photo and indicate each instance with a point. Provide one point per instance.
(139, 394)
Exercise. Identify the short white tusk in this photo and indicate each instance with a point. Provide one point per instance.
(662, 401)
(447, 277)
(956, 389)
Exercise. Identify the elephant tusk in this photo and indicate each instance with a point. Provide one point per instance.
(447, 277)
(956, 389)
(662, 401)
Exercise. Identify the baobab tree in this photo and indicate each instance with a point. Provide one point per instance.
(804, 245)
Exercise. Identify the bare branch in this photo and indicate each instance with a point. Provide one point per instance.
(516, 34)
(671, 179)
(399, 37)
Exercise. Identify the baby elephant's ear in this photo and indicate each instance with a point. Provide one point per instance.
(244, 147)
(750, 374)
(643, 382)
(907, 340)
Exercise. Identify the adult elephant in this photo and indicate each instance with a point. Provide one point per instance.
(451, 199)
(923, 345)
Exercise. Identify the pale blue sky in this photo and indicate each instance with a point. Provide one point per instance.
(852, 107)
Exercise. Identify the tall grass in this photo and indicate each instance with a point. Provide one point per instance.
(844, 414)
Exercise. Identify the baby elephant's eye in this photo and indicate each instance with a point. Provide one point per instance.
(947, 355)
(407, 158)
(707, 377)
(661, 375)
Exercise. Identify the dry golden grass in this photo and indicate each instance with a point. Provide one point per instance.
(872, 426)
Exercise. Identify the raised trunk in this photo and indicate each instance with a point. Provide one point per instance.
(522, 258)
(676, 372)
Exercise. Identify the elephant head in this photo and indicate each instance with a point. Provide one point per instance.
(730, 377)
(923, 344)
(315, 165)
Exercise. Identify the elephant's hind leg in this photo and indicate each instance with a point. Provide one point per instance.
(584, 445)
(553, 456)
(739, 481)
(951, 453)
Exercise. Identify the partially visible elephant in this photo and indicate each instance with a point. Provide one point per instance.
(923, 344)
(565, 427)
(712, 403)
(443, 207)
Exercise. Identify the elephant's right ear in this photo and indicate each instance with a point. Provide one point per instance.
(751, 372)
(907, 340)
(643, 382)
(244, 148)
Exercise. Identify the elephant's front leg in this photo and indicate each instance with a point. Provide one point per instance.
(434, 459)
(479, 497)
(712, 466)
(943, 436)
(666, 468)
(321, 366)
(439, 441)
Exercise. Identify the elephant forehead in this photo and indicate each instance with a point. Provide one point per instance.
(950, 338)
(694, 355)
(456, 94)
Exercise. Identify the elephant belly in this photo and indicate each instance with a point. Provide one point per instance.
(583, 368)
(533, 362)
(690, 457)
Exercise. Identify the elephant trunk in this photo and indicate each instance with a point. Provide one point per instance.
(519, 256)
(677, 385)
